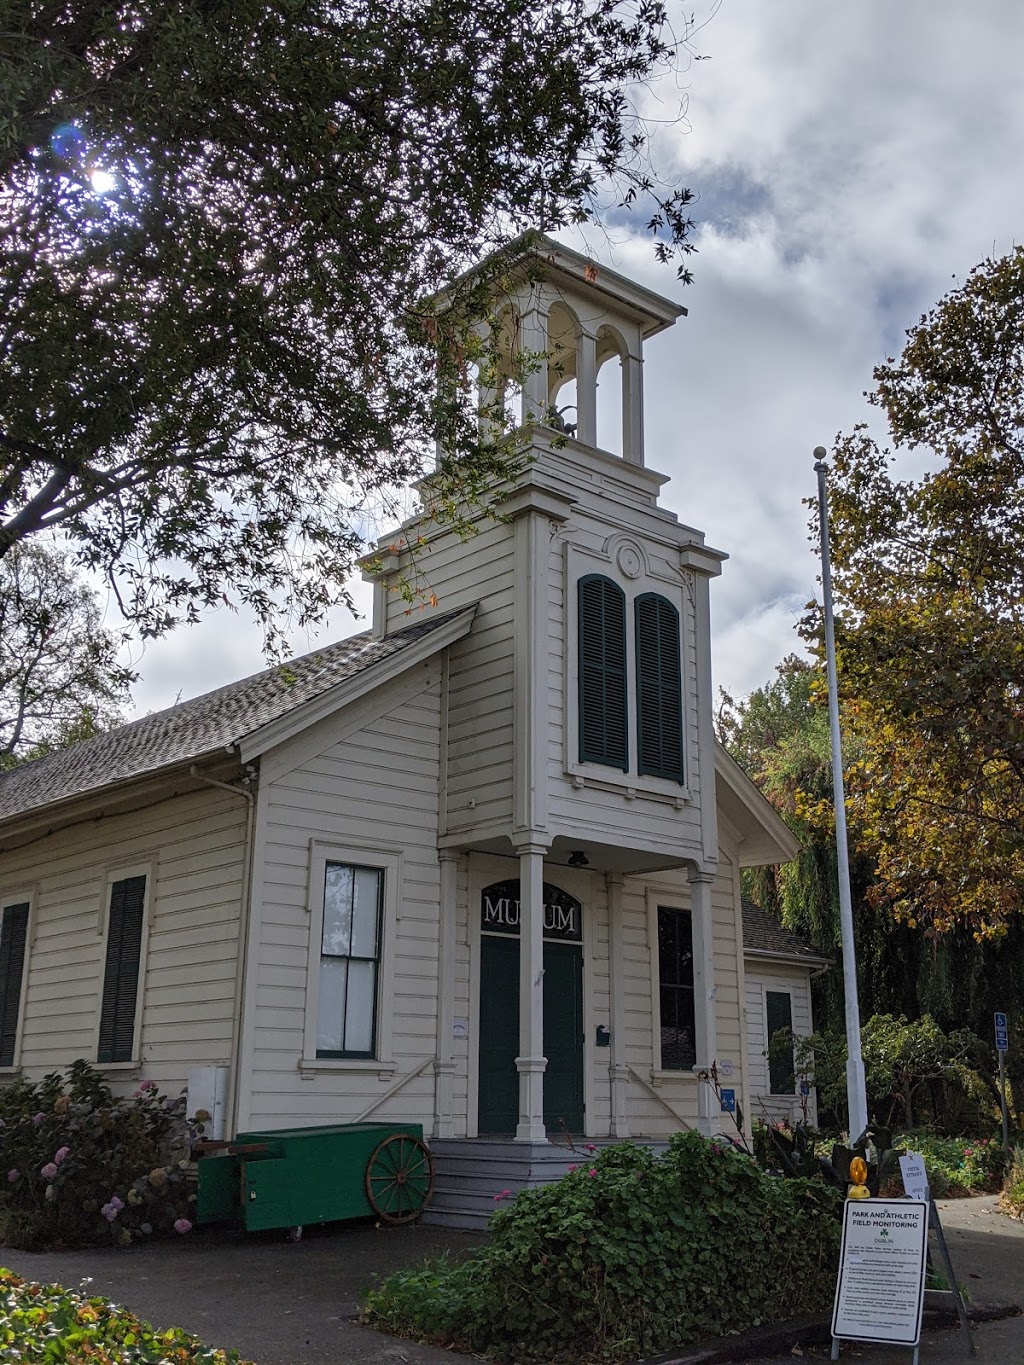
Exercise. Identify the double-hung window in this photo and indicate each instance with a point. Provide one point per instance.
(13, 937)
(125, 925)
(779, 1021)
(350, 961)
(676, 997)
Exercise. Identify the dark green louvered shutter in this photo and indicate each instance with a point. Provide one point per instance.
(602, 672)
(659, 689)
(121, 975)
(12, 962)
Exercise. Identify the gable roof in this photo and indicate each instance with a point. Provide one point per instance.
(213, 723)
(764, 936)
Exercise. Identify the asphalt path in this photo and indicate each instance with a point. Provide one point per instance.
(987, 1251)
(283, 1303)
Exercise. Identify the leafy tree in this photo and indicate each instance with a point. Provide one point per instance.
(60, 679)
(902, 1060)
(929, 573)
(219, 224)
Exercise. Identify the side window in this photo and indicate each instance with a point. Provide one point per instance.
(676, 1001)
(13, 933)
(121, 971)
(659, 690)
(779, 1010)
(602, 672)
(350, 960)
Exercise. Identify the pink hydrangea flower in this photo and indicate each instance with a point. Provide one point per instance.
(590, 1147)
(573, 1168)
(109, 1212)
(61, 1154)
(592, 1171)
(38, 1118)
(182, 1225)
(503, 1194)
(12, 1176)
(48, 1171)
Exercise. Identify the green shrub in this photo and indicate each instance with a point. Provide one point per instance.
(627, 1255)
(45, 1323)
(79, 1166)
(956, 1166)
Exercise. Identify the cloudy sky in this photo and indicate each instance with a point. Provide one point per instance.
(852, 162)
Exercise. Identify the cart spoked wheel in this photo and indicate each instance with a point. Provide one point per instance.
(399, 1179)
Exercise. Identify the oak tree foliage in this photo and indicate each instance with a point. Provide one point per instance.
(219, 221)
(929, 576)
(61, 680)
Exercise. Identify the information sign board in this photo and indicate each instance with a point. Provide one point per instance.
(915, 1177)
(1002, 1033)
(880, 1290)
(728, 1101)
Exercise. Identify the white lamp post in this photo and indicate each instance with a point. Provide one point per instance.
(856, 1094)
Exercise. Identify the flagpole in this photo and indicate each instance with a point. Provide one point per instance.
(856, 1096)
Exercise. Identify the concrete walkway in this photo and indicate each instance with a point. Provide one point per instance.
(987, 1250)
(276, 1302)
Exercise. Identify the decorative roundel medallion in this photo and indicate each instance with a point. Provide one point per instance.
(629, 561)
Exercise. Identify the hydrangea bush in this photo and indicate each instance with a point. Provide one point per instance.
(79, 1165)
(626, 1256)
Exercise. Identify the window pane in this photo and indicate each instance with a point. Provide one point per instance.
(676, 998)
(779, 1009)
(362, 981)
(366, 913)
(331, 1005)
(337, 909)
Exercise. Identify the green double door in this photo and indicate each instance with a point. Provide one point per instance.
(498, 1106)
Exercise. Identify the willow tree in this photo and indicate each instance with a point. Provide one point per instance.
(219, 220)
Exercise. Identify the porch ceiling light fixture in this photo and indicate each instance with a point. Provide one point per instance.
(577, 858)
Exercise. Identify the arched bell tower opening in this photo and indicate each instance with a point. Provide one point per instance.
(611, 414)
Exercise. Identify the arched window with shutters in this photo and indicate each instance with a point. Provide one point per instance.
(603, 726)
(659, 688)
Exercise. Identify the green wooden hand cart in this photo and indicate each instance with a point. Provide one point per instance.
(290, 1177)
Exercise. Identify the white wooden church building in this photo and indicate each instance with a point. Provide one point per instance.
(478, 867)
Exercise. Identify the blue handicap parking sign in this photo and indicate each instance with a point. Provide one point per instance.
(1002, 1034)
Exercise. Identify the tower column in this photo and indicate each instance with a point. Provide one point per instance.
(633, 409)
(586, 389)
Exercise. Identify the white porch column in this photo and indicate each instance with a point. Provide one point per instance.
(586, 389)
(708, 1115)
(444, 1062)
(531, 1060)
(618, 1071)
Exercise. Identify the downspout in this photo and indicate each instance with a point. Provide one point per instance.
(243, 926)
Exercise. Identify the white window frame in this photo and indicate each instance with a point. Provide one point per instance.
(666, 900)
(145, 869)
(777, 989)
(579, 563)
(390, 863)
(18, 896)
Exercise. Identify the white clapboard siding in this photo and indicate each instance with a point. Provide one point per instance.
(195, 846)
(375, 789)
(764, 976)
(479, 763)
